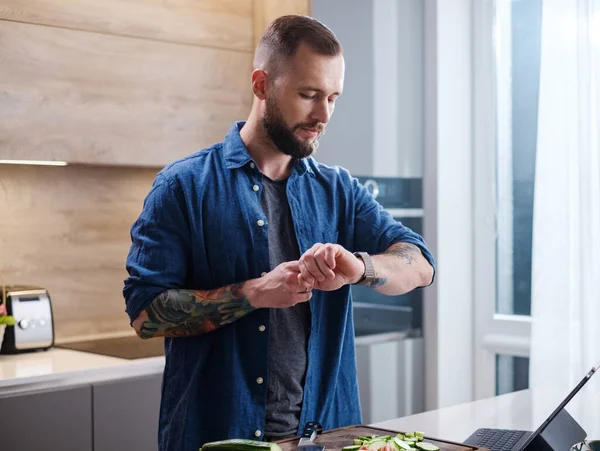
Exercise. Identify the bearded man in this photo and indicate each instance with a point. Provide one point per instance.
(244, 254)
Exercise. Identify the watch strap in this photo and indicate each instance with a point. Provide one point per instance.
(369, 273)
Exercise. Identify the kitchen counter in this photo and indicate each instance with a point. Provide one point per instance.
(60, 367)
(523, 410)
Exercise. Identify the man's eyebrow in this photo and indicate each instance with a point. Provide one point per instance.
(320, 91)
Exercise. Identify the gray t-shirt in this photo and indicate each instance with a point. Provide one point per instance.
(289, 327)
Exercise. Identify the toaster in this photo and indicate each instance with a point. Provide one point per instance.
(34, 323)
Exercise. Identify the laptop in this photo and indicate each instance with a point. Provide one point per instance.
(557, 433)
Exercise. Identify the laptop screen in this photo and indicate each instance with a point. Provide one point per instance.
(561, 405)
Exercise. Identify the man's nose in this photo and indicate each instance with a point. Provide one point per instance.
(322, 111)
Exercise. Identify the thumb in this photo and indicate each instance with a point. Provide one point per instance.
(293, 266)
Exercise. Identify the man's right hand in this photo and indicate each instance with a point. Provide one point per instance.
(278, 288)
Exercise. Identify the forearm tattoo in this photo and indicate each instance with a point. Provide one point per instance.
(404, 251)
(186, 313)
(376, 282)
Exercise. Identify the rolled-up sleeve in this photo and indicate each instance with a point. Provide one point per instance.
(375, 229)
(158, 259)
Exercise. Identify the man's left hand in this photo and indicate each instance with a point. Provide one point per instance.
(328, 267)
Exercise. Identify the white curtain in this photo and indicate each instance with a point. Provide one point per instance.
(566, 219)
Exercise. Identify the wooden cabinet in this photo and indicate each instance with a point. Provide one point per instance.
(139, 83)
(126, 414)
(96, 98)
(58, 419)
(130, 83)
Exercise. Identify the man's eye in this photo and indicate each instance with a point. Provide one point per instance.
(306, 96)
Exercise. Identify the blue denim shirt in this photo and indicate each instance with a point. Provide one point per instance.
(202, 228)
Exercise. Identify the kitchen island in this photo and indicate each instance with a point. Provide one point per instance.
(522, 410)
(118, 401)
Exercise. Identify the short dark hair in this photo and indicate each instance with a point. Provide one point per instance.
(281, 39)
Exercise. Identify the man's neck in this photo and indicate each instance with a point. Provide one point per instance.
(271, 162)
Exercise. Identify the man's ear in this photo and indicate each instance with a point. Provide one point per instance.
(259, 83)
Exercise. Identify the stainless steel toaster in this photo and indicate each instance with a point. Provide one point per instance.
(32, 310)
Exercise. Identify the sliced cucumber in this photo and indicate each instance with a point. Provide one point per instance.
(424, 446)
(376, 444)
(358, 441)
(240, 445)
(401, 444)
(351, 448)
(383, 437)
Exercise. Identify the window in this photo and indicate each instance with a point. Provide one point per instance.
(507, 37)
(512, 374)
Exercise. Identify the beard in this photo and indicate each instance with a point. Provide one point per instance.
(283, 137)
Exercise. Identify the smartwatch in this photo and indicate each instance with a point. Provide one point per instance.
(369, 273)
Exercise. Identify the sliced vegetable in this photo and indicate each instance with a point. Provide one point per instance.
(376, 444)
(401, 444)
(408, 441)
(240, 445)
(424, 446)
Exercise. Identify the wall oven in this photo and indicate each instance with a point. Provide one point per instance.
(389, 329)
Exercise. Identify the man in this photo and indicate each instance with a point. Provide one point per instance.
(243, 257)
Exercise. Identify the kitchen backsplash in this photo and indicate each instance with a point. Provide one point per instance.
(67, 229)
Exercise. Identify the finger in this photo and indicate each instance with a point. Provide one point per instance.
(303, 284)
(306, 275)
(321, 261)
(311, 265)
(293, 265)
(304, 297)
(330, 256)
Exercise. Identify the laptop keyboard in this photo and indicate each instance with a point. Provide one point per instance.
(497, 439)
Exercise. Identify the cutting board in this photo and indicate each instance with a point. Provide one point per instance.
(336, 439)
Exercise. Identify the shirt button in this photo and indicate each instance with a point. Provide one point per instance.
(263, 274)
(260, 222)
(261, 328)
(257, 433)
(255, 188)
(259, 380)
(252, 165)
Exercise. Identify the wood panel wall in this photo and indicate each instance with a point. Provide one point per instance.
(67, 229)
(117, 85)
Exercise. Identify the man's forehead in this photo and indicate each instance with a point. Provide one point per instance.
(319, 71)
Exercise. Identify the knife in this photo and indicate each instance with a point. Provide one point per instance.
(306, 442)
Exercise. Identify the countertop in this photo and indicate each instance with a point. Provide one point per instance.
(522, 410)
(59, 367)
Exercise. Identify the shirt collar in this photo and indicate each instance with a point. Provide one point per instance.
(236, 155)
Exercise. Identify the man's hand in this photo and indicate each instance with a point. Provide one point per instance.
(279, 288)
(328, 267)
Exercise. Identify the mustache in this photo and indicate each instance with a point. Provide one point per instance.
(313, 126)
